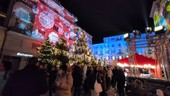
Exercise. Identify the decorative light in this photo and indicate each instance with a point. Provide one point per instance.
(120, 57)
(148, 29)
(126, 35)
(113, 57)
(158, 28)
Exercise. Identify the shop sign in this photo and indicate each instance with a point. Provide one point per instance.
(24, 55)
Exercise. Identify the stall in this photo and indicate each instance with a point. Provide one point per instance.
(143, 66)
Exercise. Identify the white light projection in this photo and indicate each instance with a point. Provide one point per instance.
(46, 19)
(53, 37)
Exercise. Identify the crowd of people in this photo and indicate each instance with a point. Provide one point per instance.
(77, 80)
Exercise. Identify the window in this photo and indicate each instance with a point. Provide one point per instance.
(101, 52)
(119, 45)
(119, 52)
(96, 52)
(107, 58)
(113, 45)
(112, 39)
(105, 40)
(118, 38)
(107, 51)
(106, 45)
(101, 47)
(112, 51)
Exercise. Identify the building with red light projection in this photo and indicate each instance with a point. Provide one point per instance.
(29, 22)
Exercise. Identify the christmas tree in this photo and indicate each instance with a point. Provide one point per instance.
(45, 52)
(82, 50)
(61, 53)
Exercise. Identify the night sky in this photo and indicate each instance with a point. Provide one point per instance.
(102, 18)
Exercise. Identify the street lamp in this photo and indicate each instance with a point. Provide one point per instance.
(126, 36)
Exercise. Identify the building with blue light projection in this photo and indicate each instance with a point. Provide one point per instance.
(116, 47)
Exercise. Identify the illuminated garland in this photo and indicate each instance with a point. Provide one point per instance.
(59, 53)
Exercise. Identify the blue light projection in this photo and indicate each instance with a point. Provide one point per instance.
(115, 47)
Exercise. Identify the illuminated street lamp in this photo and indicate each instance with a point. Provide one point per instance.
(126, 36)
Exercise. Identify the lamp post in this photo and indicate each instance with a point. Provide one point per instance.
(131, 50)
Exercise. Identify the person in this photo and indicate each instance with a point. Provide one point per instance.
(87, 82)
(64, 81)
(103, 72)
(96, 77)
(114, 76)
(51, 80)
(77, 79)
(30, 81)
(111, 91)
(109, 77)
(120, 82)
(7, 65)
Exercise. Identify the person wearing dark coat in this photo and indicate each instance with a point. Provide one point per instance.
(96, 75)
(120, 82)
(77, 79)
(51, 81)
(114, 76)
(7, 65)
(31, 81)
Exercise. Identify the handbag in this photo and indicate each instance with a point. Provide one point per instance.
(97, 86)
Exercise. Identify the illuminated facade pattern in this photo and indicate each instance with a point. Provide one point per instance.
(115, 47)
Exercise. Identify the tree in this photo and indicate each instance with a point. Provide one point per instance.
(45, 52)
(61, 53)
(82, 50)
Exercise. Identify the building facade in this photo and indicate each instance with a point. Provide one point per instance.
(113, 48)
(116, 47)
(29, 22)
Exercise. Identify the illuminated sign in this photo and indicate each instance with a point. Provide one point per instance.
(24, 55)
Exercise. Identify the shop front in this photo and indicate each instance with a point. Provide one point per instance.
(18, 48)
